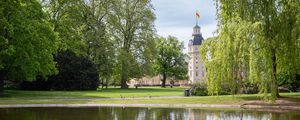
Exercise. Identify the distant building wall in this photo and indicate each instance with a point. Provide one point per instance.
(196, 69)
(156, 80)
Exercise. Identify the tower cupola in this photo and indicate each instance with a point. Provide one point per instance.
(197, 30)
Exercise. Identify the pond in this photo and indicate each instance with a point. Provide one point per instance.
(131, 113)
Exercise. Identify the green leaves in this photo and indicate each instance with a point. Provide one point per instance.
(171, 59)
(29, 41)
(131, 25)
(257, 40)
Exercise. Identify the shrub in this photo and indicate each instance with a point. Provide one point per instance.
(75, 73)
(199, 89)
(290, 82)
(249, 88)
(39, 84)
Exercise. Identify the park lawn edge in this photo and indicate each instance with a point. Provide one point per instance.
(149, 106)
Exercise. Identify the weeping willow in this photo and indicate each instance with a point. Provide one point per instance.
(256, 40)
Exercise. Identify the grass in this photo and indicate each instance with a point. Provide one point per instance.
(100, 93)
(222, 99)
(145, 95)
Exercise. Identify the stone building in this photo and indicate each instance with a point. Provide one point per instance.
(196, 66)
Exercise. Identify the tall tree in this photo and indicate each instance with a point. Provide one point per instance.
(132, 24)
(27, 41)
(171, 59)
(82, 28)
(67, 18)
(257, 40)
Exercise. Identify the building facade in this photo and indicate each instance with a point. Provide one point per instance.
(196, 66)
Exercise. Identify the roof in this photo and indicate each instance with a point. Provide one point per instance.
(197, 26)
(197, 39)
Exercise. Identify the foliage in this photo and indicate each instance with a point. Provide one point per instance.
(171, 59)
(257, 40)
(132, 26)
(66, 17)
(289, 82)
(75, 73)
(39, 84)
(82, 27)
(27, 41)
(249, 88)
(199, 89)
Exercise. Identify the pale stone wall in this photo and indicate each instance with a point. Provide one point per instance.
(196, 69)
(154, 81)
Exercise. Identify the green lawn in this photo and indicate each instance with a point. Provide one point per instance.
(145, 95)
(100, 93)
(222, 99)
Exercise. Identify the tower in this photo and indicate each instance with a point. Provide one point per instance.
(196, 66)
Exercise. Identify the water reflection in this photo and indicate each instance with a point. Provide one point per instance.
(119, 113)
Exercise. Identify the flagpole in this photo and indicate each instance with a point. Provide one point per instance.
(196, 20)
(197, 17)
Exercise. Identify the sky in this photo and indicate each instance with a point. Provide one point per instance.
(178, 17)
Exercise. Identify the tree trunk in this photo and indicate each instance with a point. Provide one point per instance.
(102, 83)
(106, 83)
(123, 82)
(114, 83)
(124, 75)
(274, 86)
(164, 80)
(1, 86)
(123, 78)
(1, 83)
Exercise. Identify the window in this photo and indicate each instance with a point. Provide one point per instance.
(197, 73)
(196, 68)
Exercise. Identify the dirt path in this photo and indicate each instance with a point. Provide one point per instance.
(280, 104)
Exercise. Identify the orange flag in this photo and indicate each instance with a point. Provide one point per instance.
(197, 14)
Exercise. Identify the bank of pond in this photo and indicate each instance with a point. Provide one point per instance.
(137, 113)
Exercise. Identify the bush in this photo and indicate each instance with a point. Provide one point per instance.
(289, 82)
(199, 89)
(75, 73)
(249, 88)
(39, 84)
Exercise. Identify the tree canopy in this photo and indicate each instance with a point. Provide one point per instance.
(171, 59)
(132, 26)
(256, 41)
(27, 41)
